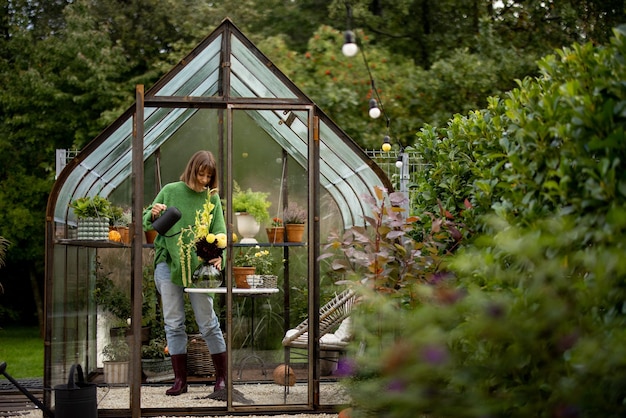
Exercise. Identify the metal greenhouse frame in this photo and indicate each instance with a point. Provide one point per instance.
(265, 133)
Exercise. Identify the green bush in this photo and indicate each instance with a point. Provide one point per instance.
(530, 320)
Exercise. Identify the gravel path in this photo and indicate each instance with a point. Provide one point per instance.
(257, 394)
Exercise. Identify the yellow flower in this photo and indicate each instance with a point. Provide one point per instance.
(221, 240)
(202, 231)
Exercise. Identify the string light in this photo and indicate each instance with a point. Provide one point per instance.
(349, 48)
(374, 111)
(399, 160)
(386, 144)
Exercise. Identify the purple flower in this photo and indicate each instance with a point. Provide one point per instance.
(396, 385)
(345, 367)
(435, 354)
(495, 310)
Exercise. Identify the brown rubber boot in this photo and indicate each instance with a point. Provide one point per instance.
(179, 364)
(219, 362)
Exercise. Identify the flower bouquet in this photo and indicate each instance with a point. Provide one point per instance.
(206, 245)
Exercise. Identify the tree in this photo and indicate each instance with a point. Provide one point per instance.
(426, 30)
(57, 91)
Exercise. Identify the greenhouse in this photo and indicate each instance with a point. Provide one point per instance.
(267, 137)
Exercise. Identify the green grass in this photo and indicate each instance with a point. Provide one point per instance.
(22, 350)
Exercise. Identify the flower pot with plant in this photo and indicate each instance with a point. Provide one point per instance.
(251, 209)
(116, 357)
(119, 222)
(253, 261)
(276, 233)
(93, 215)
(294, 218)
(155, 362)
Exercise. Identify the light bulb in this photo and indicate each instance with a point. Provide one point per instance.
(374, 110)
(399, 161)
(386, 144)
(349, 48)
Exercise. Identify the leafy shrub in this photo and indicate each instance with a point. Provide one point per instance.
(395, 252)
(532, 322)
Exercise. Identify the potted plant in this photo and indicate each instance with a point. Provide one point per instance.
(276, 232)
(251, 209)
(93, 215)
(116, 356)
(150, 234)
(253, 262)
(155, 362)
(114, 299)
(119, 221)
(294, 218)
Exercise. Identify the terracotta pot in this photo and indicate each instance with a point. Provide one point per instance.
(240, 274)
(295, 232)
(150, 236)
(124, 233)
(275, 234)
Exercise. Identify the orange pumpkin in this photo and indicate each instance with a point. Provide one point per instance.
(115, 236)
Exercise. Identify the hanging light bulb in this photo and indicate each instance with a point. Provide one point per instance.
(399, 161)
(374, 110)
(349, 48)
(386, 144)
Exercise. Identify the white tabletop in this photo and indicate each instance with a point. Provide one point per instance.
(236, 290)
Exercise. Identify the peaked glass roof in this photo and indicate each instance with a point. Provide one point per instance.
(226, 69)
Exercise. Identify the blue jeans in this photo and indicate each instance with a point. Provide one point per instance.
(172, 297)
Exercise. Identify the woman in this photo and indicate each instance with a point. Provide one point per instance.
(188, 195)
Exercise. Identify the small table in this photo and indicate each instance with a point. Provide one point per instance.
(236, 290)
(252, 293)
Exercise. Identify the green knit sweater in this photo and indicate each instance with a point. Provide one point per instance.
(188, 201)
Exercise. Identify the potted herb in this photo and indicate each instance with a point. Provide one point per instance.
(155, 362)
(276, 232)
(251, 209)
(116, 356)
(91, 207)
(93, 215)
(294, 218)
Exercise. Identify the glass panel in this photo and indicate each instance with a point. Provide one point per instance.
(73, 315)
(259, 321)
(261, 81)
(196, 130)
(194, 72)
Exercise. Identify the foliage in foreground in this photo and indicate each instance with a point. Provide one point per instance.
(531, 319)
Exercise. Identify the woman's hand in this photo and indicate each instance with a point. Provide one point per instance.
(156, 210)
(217, 262)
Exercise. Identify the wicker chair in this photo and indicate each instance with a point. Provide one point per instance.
(331, 315)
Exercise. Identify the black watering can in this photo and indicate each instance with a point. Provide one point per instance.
(77, 398)
(163, 223)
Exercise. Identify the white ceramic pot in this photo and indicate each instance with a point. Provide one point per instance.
(248, 227)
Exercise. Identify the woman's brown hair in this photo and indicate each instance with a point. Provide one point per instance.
(201, 160)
